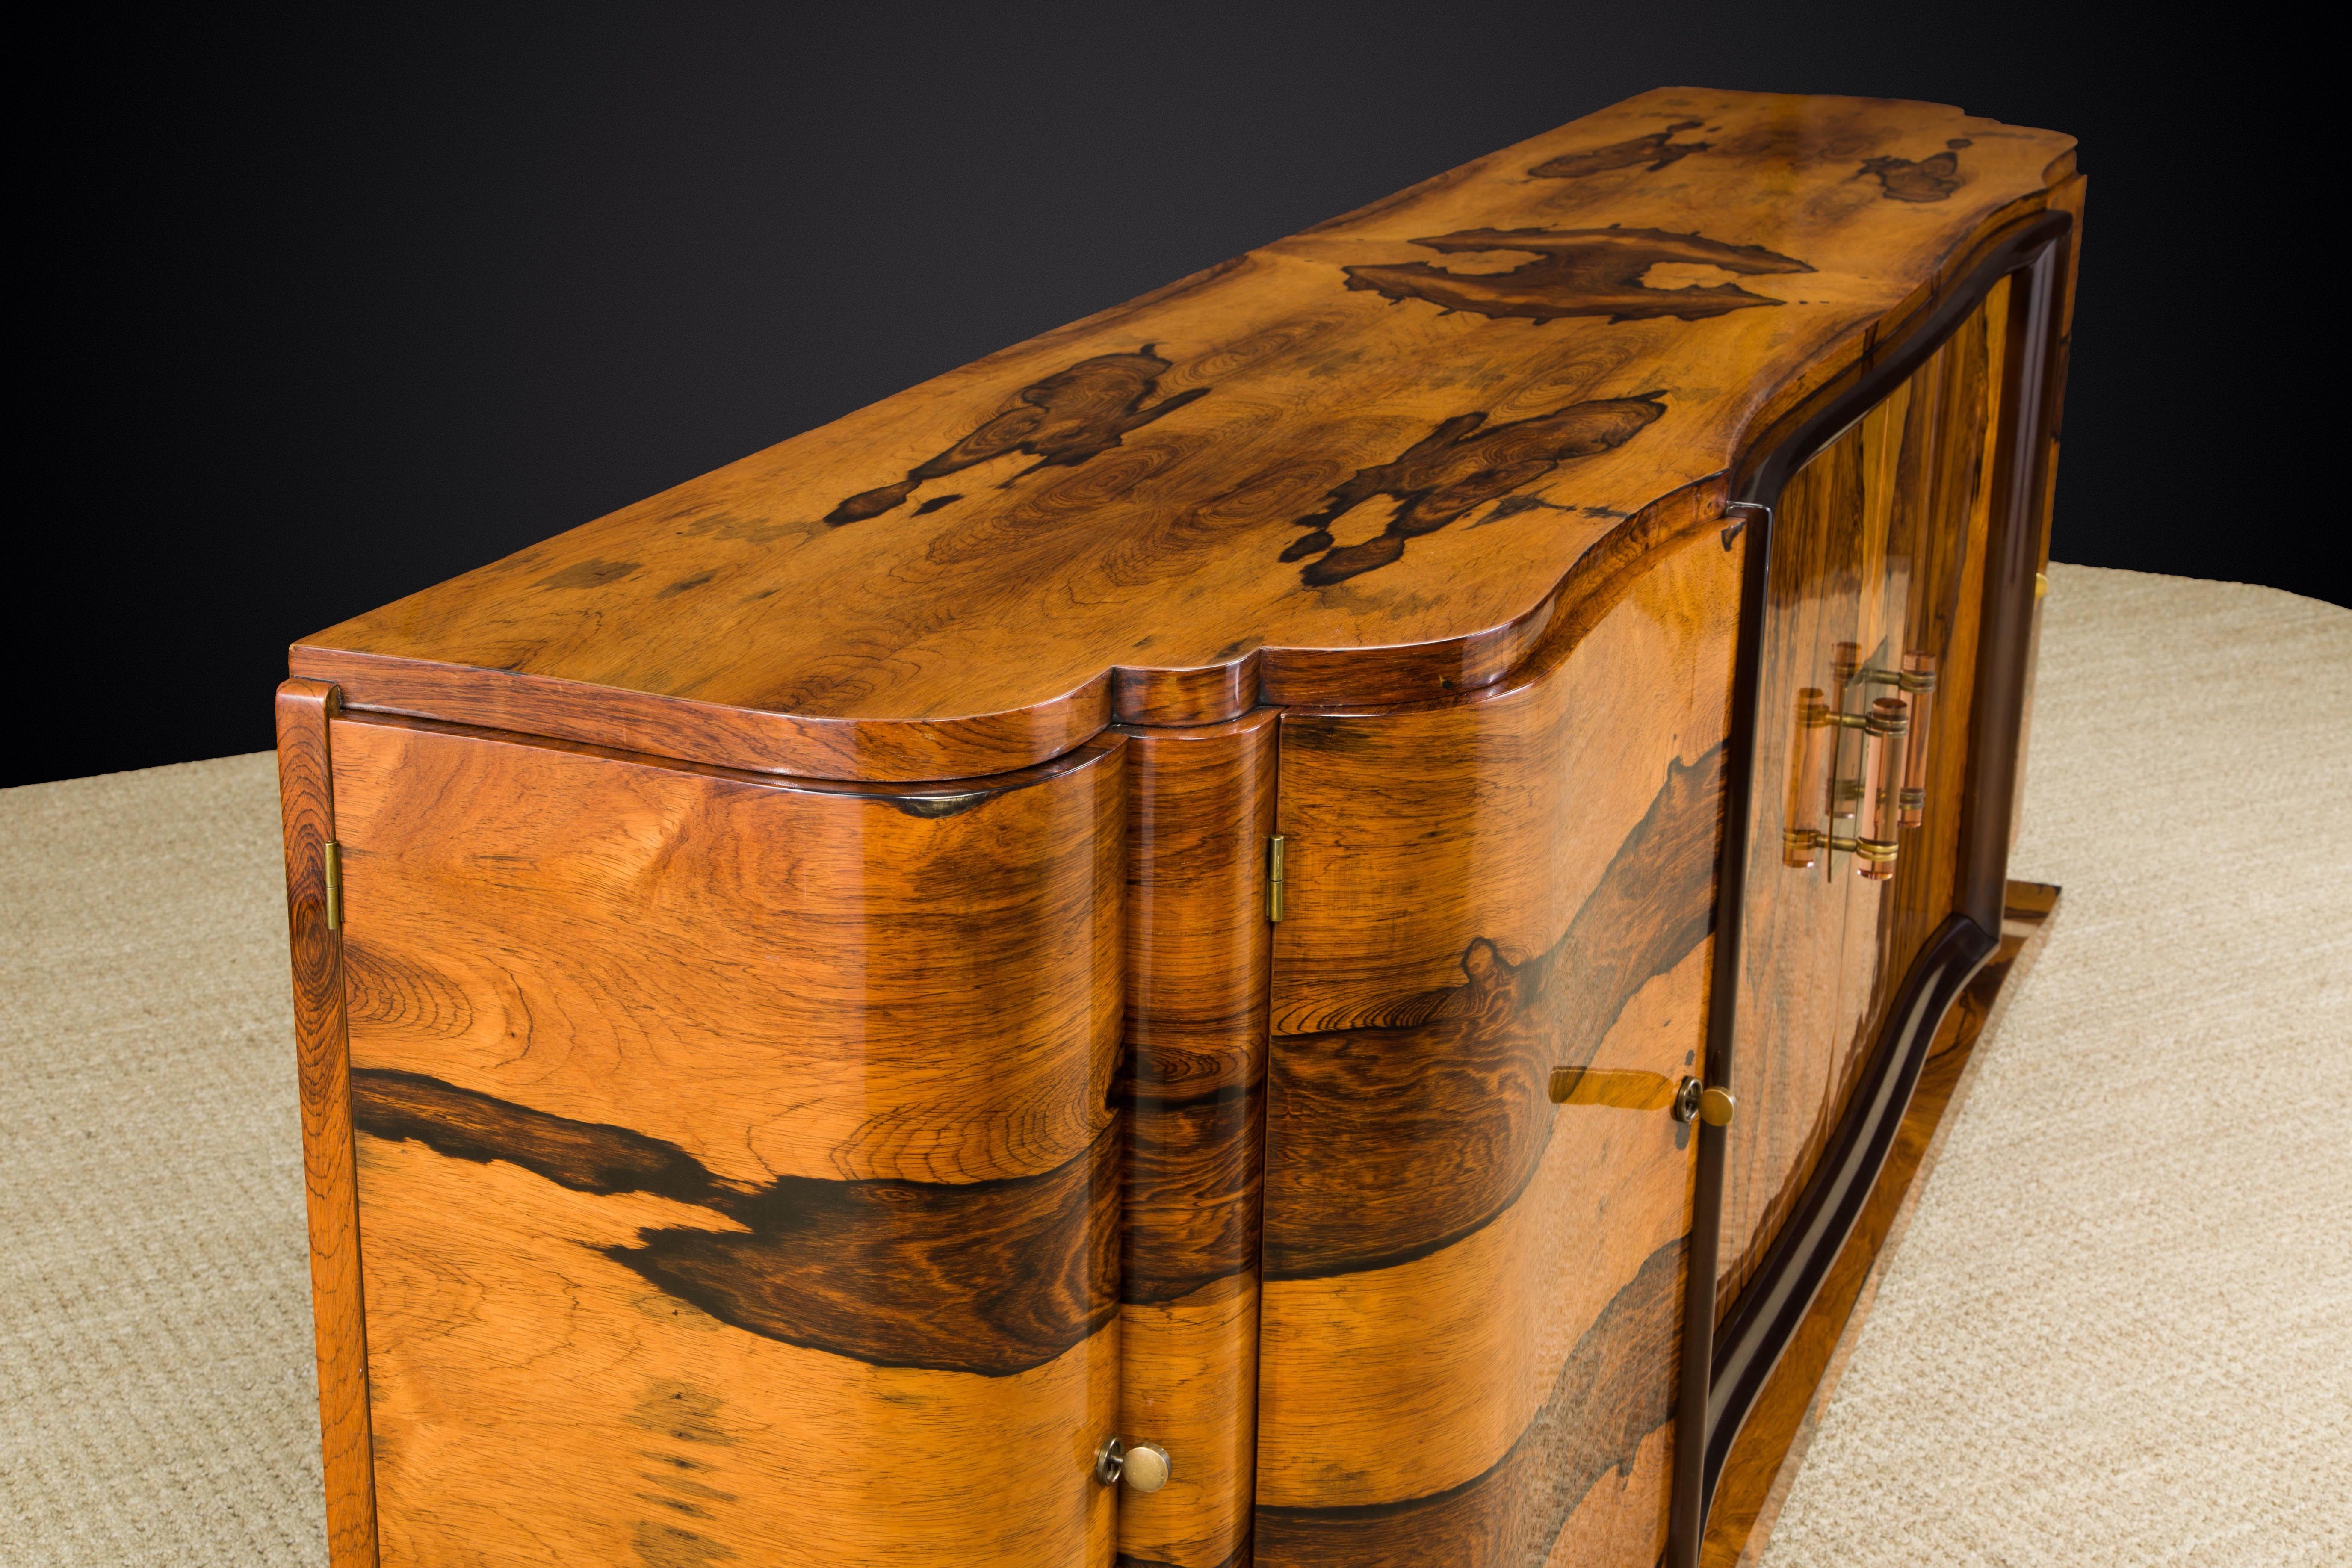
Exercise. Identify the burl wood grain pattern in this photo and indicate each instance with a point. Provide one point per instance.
(1200, 807)
(1878, 546)
(1352, 467)
(1771, 1446)
(726, 1145)
(1473, 1304)
(305, 710)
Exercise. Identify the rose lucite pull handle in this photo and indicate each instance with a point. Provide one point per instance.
(1919, 683)
(1805, 834)
(1882, 736)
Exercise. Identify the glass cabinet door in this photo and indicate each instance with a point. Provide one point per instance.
(1867, 657)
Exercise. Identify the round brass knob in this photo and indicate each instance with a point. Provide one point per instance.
(1716, 1106)
(1147, 1467)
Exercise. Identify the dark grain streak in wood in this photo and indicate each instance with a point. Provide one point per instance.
(1658, 150)
(723, 621)
(1389, 1141)
(1193, 1178)
(1456, 468)
(584, 1156)
(1607, 1400)
(1410, 674)
(1063, 420)
(1930, 179)
(1579, 272)
(1192, 1078)
(992, 1277)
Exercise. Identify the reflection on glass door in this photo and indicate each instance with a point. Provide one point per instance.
(1868, 659)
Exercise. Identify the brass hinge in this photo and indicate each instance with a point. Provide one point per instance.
(1274, 877)
(334, 858)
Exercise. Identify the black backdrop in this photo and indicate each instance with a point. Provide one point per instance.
(350, 302)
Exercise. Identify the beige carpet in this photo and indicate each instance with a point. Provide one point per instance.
(2119, 1329)
(156, 1396)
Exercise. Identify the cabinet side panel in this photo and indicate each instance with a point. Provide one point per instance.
(307, 799)
(1474, 1296)
(691, 1235)
(1201, 807)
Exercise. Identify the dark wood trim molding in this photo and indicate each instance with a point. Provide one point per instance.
(1789, 443)
(1762, 1462)
(1770, 1309)
(2012, 556)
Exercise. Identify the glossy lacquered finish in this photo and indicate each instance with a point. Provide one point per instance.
(817, 1060)
(1473, 1301)
(682, 1202)
(1201, 810)
(305, 710)
(2011, 286)
(1772, 1444)
(1877, 557)
(1352, 465)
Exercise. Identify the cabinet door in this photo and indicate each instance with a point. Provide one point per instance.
(1474, 1296)
(1199, 809)
(737, 1176)
(1875, 580)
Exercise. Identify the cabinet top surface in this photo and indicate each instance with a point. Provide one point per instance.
(1398, 430)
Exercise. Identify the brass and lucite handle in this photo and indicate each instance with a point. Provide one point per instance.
(1886, 792)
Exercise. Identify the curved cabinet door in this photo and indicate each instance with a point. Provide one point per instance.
(1877, 573)
(737, 1171)
(1200, 807)
(1474, 1296)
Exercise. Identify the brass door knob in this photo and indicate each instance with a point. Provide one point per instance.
(1144, 1466)
(1147, 1467)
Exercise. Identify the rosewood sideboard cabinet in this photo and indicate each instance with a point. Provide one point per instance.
(1287, 925)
